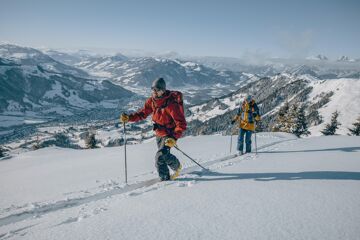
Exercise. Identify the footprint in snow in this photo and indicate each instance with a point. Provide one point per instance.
(186, 184)
(143, 190)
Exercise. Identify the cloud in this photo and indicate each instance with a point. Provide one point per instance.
(257, 57)
(297, 44)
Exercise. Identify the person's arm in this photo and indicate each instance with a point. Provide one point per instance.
(239, 110)
(238, 115)
(179, 119)
(142, 113)
(256, 112)
(235, 118)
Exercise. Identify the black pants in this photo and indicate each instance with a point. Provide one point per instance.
(164, 158)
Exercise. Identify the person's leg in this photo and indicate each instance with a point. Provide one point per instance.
(172, 161)
(248, 140)
(174, 164)
(164, 158)
(160, 160)
(240, 145)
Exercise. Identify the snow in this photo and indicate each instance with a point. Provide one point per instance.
(103, 64)
(189, 64)
(201, 115)
(102, 74)
(73, 99)
(10, 120)
(32, 121)
(56, 91)
(19, 55)
(59, 110)
(293, 189)
(13, 106)
(109, 103)
(27, 100)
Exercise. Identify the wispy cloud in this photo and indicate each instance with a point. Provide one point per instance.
(297, 44)
(256, 57)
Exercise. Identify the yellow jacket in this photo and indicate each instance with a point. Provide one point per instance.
(248, 113)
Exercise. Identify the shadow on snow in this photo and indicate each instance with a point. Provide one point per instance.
(344, 149)
(316, 175)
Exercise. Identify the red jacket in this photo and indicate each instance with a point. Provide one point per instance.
(167, 115)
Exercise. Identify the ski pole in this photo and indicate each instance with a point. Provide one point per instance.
(230, 140)
(125, 153)
(190, 158)
(255, 140)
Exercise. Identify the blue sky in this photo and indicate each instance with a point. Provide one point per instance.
(203, 28)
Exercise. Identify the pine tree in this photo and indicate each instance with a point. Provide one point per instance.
(315, 118)
(90, 141)
(260, 126)
(1, 151)
(300, 126)
(36, 145)
(330, 129)
(282, 120)
(356, 130)
(291, 118)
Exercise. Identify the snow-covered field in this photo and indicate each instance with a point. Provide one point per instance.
(292, 189)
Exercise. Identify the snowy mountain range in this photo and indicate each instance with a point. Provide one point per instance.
(31, 57)
(35, 88)
(142, 71)
(272, 66)
(34, 83)
(212, 74)
(199, 82)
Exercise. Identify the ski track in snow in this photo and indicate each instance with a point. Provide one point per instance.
(187, 178)
(17, 232)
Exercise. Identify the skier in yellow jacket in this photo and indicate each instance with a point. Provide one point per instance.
(247, 115)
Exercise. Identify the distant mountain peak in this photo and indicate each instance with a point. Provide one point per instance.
(318, 57)
(345, 59)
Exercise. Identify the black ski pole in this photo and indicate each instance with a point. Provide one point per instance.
(255, 140)
(230, 140)
(125, 154)
(190, 158)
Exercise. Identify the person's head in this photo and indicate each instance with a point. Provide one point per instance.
(158, 87)
(248, 98)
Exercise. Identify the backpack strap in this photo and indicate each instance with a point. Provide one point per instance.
(155, 106)
(169, 100)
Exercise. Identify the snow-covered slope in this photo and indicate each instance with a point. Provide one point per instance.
(102, 66)
(345, 99)
(293, 189)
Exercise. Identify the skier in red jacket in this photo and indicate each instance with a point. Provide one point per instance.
(169, 122)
